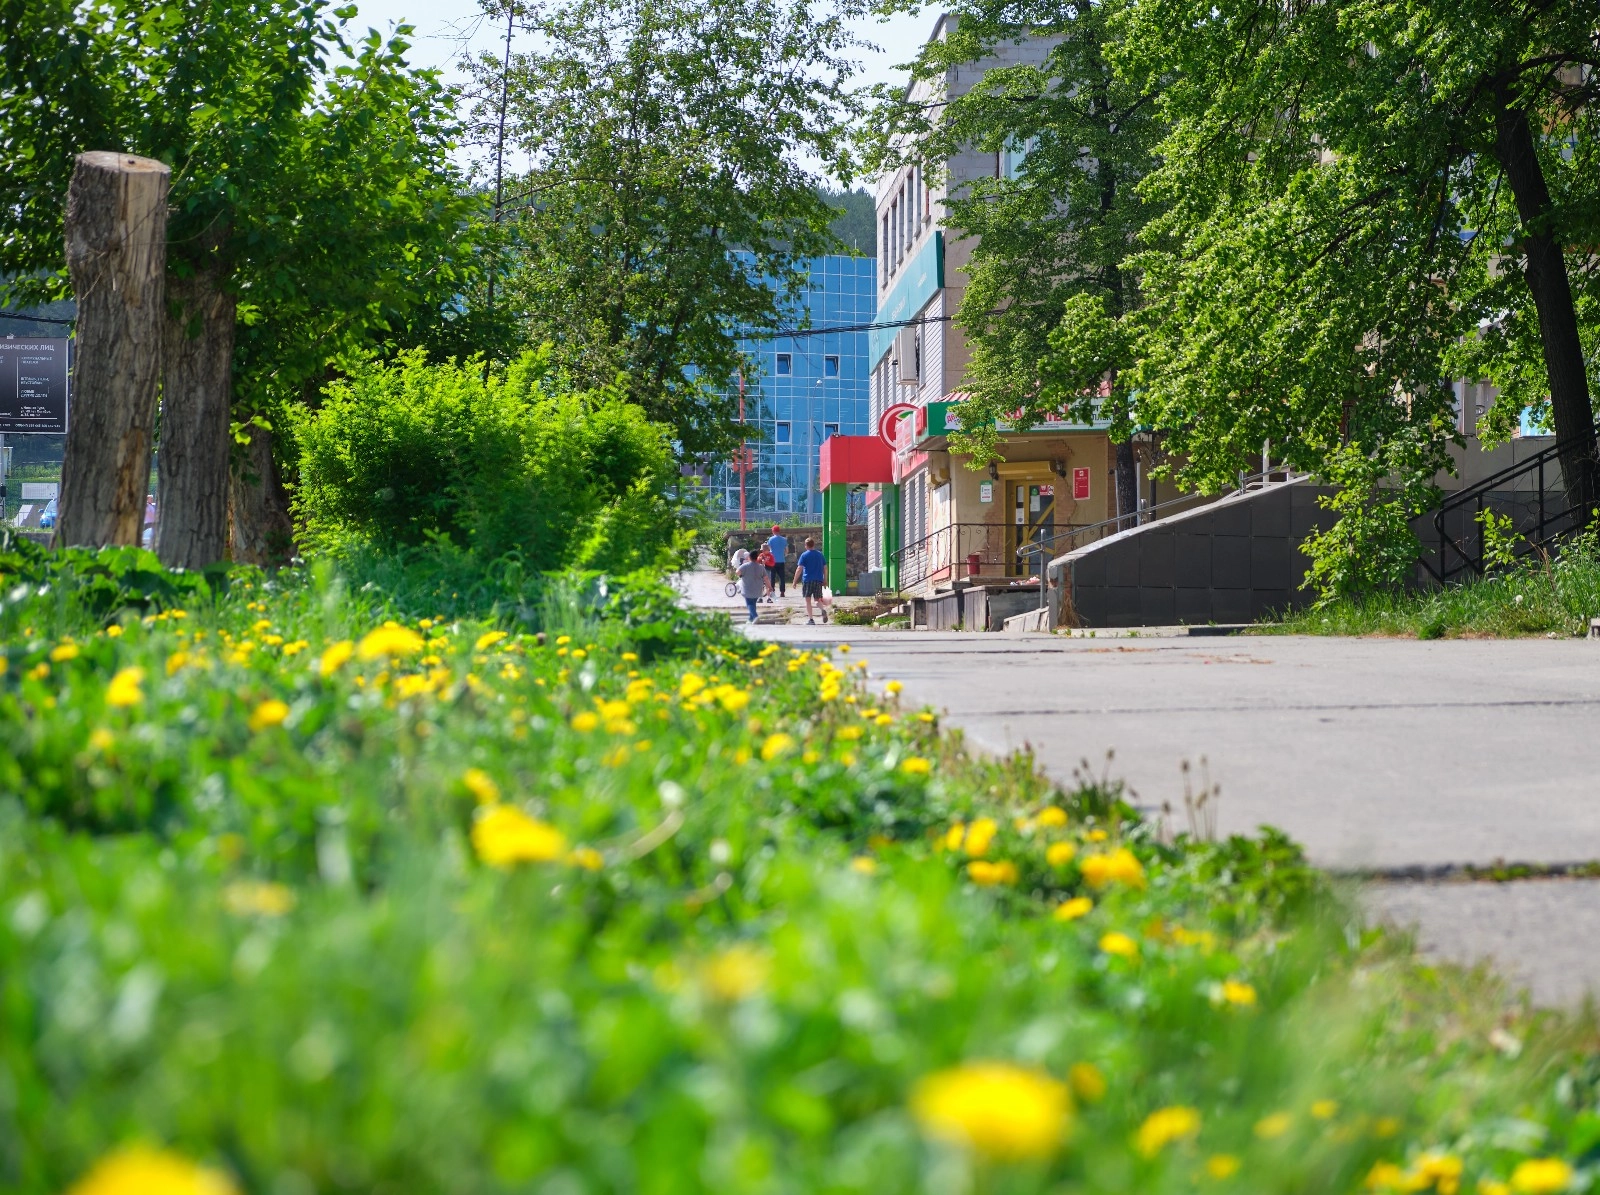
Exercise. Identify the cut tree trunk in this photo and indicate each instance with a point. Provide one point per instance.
(1545, 269)
(263, 532)
(196, 398)
(116, 227)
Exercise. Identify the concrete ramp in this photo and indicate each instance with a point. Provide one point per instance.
(1234, 560)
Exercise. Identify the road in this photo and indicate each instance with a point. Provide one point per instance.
(1393, 756)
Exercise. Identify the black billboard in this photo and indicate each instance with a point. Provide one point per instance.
(33, 387)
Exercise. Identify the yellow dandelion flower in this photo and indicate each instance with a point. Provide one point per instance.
(66, 651)
(1087, 1083)
(864, 865)
(587, 858)
(915, 765)
(1051, 817)
(504, 834)
(114, 631)
(481, 785)
(1236, 991)
(1165, 1126)
(1071, 910)
(1324, 1109)
(124, 689)
(732, 699)
(848, 733)
(1119, 944)
(258, 898)
(101, 739)
(690, 684)
(584, 722)
(1096, 836)
(334, 657)
(1541, 1176)
(260, 625)
(776, 745)
(271, 712)
(1221, 1166)
(738, 972)
(487, 640)
(579, 653)
(176, 661)
(140, 1170)
(996, 1109)
(630, 657)
(893, 688)
(986, 874)
(1059, 854)
(1385, 1126)
(1121, 866)
(1493, 1186)
(925, 717)
(979, 835)
(390, 641)
(1275, 1125)
(563, 640)
(844, 649)
(295, 648)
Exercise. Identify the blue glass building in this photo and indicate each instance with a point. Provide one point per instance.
(808, 388)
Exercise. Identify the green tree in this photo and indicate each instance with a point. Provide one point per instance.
(1048, 284)
(661, 135)
(1362, 197)
(313, 200)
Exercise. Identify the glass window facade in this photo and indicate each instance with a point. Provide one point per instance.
(825, 391)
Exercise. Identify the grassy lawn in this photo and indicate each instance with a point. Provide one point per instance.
(306, 890)
(1555, 598)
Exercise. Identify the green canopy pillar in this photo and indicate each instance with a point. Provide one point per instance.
(835, 505)
(889, 516)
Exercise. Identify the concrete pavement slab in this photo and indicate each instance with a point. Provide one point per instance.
(1380, 754)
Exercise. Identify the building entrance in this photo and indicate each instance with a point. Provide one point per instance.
(1032, 521)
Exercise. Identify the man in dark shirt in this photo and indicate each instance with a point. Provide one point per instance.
(811, 570)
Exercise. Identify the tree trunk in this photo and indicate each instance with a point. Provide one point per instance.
(196, 394)
(117, 257)
(1127, 487)
(263, 532)
(1546, 272)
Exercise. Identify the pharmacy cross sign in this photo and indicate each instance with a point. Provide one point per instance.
(33, 387)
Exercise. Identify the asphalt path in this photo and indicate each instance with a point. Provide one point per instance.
(1400, 758)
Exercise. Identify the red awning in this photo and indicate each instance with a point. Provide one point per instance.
(855, 460)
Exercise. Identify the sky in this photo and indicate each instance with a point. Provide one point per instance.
(450, 31)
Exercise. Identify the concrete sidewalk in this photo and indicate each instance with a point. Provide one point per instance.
(1394, 756)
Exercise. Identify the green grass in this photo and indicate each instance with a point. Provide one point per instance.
(765, 925)
(1555, 598)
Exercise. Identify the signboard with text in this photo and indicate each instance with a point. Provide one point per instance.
(1080, 485)
(33, 387)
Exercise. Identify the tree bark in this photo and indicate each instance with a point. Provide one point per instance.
(116, 227)
(263, 532)
(196, 397)
(1127, 487)
(1545, 269)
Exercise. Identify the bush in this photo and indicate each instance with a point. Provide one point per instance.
(406, 453)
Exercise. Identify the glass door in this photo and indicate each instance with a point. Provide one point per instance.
(1033, 521)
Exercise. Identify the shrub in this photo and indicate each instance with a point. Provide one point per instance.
(404, 453)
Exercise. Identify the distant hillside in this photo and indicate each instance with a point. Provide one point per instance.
(857, 225)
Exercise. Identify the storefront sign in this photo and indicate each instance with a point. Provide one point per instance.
(986, 491)
(33, 387)
(1080, 484)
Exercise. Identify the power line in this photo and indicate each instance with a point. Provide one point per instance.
(34, 319)
(796, 333)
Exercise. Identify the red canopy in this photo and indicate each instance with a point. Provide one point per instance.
(855, 460)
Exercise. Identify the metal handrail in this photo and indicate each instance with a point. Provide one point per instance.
(1541, 535)
(1247, 481)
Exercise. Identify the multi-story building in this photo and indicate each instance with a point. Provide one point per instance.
(942, 519)
(807, 387)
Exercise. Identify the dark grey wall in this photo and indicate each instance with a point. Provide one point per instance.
(1236, 560)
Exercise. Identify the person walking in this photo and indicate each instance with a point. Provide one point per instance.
(764, 559)
(811, 570)
(778, 546)
(752, 580)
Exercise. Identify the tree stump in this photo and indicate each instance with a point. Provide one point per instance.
(196, 399)
(117, 257)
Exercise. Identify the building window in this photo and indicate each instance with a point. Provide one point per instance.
(785, 363)
(830, 367)
(829, 429)
(784, 433)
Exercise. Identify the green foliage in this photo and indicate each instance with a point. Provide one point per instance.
(73, 587)
(264, 936)
(403, 453)
(661, 134)
(1532, 596)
